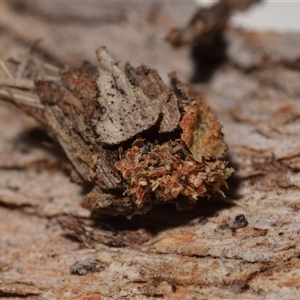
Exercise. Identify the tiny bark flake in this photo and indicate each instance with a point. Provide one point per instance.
(135, 141)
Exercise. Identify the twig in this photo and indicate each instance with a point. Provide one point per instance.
(17, 96)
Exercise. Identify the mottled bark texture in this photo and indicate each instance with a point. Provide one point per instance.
(243, 247)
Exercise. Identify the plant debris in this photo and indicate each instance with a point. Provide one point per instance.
(208, 24)
(133, 140)
(239, 221)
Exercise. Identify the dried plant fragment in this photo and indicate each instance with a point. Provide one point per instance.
(201, 130)
(167, 171)
(207, 24)
(131, 103)
(153, 86)
(72, 125)
(133, 140)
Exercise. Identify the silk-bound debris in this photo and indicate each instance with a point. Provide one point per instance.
(134, 141)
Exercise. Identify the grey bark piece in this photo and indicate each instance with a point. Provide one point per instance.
(152, 84)
(128, 110)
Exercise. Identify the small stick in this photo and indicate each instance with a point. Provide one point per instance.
(5, 72)
(17, 83)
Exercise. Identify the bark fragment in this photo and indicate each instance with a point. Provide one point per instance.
(201, 130)
(207, 24)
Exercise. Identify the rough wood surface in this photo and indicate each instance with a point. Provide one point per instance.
(246, 247)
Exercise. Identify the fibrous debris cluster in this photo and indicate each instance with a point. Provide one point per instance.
(133, 140)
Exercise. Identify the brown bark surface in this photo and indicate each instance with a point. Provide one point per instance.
(244, 247)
